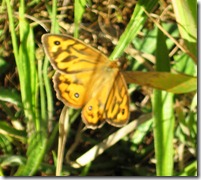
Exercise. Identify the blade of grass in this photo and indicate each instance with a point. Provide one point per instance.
(98, 149)
(183, 48)
(23, 61)
(163, 115)
(35, 153)
(28, 69)
(12, 31)
(46, 95)
(186, 16)
(42, 101)
(30, 48)
(175, 83)
(78, 13)
(190, 170)
(11, 96)
(63, 122)
(55, 25)
(135, 24)
(63, 132)
(12, 132)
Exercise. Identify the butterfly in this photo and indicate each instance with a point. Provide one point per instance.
(85, 78)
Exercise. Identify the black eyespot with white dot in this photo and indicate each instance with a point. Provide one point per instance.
(76, 95)
(90, 108)
(57, 43)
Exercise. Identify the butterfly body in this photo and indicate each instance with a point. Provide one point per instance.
(86, 79)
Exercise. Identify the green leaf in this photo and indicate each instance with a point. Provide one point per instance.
(134, 26)
(190, 170)
(163, 115)
(78, 13)
(11, 96)
(175, 83)
(35, 154)
(184, 64)
(186, 16)
(11, 160)
(12, 132)
(147, 44)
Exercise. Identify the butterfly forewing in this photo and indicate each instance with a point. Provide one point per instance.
(71, 56)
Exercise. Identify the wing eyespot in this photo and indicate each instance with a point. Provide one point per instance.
(57, 43)
(90, 108)
(77, 95)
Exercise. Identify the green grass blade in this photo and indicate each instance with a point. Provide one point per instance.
(163, 116)
(43, 103)
(12, 132)
(35, 153)
(78, 13)
(186, 16)
(55, 25)
(12, 30)
(24, 56)
(11, 96)
(27, 71)
(47, 107)
(190, 170)
(174, 83)
(135, 24)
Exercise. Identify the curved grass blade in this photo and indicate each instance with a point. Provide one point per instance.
(175, 83)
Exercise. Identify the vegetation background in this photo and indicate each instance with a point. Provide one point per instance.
(161, 138)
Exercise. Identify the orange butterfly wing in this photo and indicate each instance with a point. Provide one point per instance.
(69, 55)
(111, 103)
(86, 78)
(117, 107)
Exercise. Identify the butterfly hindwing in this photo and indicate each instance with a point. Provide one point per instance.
(117, 108)
(110, 103)
(94, 110)
(69, 90)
